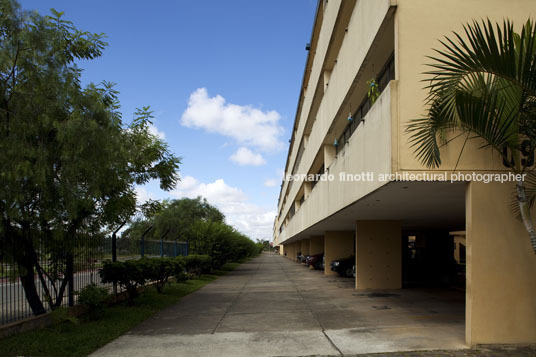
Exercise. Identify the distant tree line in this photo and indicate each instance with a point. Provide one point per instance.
(197, 222)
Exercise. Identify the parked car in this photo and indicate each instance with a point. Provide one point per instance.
(344, 267)
(315, 261)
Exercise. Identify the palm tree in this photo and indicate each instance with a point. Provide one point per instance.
(483, 86)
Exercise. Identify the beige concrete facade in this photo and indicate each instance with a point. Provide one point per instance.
(305, 246)
(337, 245)
(291, 251)
(501, 270)
(316, 245)
(352, 42)
(378, 255)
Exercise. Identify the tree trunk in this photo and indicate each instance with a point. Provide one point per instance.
(30, 290)
(525, 213)
(24, 255)
(26, 263)
(69, 276)
(59, 294)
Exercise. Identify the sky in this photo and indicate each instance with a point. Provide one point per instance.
(223, 79)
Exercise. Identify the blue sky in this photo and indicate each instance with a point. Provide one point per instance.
(223, 79)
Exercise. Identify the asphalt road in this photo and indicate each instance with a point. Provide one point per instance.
(13, 303)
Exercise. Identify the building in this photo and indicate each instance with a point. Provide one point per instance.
(388, 224)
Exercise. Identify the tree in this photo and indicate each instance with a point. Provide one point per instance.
(221, 242)
(264, 245)
(483, 86)
(175, 218)
(69, 164)
(199, 223)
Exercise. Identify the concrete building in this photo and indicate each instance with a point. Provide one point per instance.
(400, 231)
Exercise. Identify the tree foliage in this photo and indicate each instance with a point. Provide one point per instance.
(69, 162)
(174, 219)
(200, 224)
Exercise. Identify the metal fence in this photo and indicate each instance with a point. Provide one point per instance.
(162, 248)
(58, 271)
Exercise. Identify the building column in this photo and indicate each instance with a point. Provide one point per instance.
(295, 249)
(290, 252)
(501, 269)
(316, 245)
(305, 246)
(329, 155)
(378, 255)
(306, 189)
(337, 245)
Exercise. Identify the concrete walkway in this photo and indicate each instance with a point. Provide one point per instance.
(271, 306)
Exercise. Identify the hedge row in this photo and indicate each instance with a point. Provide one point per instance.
(132, 274)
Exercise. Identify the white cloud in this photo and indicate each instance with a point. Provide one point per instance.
(142, 195)
(247, 125)
(270, 183)
(215, 192)
(253, 220)
(154, 130)
(280, 175)
(244, 156)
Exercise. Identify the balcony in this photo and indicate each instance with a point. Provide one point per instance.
(351, 64)
(372, 148)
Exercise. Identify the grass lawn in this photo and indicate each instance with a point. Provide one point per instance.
(82, 338)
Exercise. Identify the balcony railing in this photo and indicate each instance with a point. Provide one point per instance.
(386, 75)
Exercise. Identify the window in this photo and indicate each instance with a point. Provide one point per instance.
(386, 75)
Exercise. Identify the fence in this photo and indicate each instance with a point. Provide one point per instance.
(38, 276)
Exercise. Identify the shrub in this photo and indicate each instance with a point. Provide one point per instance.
(220, 241)
(197, 264)
(129, 275)
(180, 272)
(159, 270)
(93, 297)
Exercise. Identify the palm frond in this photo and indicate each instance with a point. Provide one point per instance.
(490, 118)
(483, 82)
(530, 190)
(427, 135)
(486, 49)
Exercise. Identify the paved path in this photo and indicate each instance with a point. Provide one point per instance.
(271, 306)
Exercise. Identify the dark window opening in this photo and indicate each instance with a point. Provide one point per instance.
(317, 177)
(462, 253)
